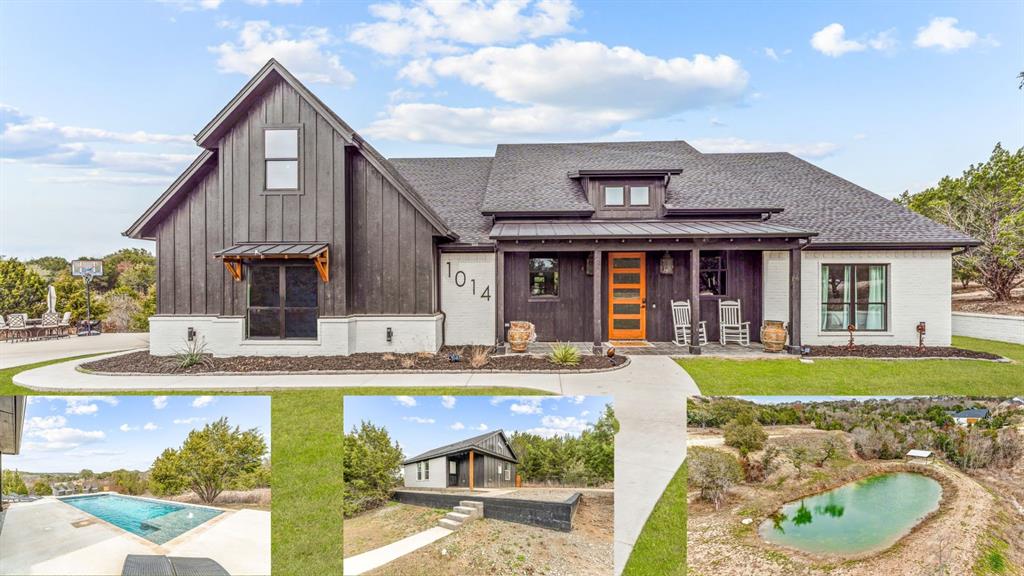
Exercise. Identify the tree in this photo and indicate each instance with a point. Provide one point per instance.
(713, 472)
(829, 450)
(986, 202)
(71, 298)
(799, 456)
(745, 434)
(165, 475)
(211, 458)
(372, 461)
(128, 482)
(598, 447)
(86, 474)
(22, 290)
(11, 482)
(41, 488)
(49, 267)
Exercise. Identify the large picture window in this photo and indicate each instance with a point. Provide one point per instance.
(283, 301)
(281, 154)
(543, 277)
(854, 294)
(713, 273)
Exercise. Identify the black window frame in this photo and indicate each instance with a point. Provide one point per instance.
(721, 272)
(852, 303)
(557, 277)
(297, 159)
(283, 308)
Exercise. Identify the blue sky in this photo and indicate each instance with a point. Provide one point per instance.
(103, 433)
(100, 99)
(421, 423)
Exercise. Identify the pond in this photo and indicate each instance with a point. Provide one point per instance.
(868, 515)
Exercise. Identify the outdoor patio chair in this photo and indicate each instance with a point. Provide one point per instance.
(140, 565)
(681, 320)
(49, 324)
(64, 327)
(731, 327)
(17, 326)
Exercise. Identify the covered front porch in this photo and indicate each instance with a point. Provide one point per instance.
(613, 283)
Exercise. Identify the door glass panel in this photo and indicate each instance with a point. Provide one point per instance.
(300, 285)
(626, 293)
(264, 286)
(626, 308)
(300, 323)
(627, 278)
(264, 323)
(626, 323)
(626, 263)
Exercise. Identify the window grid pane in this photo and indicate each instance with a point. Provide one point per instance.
(281, 144)
(639, 195)
(854, 294)
(614, 196)
(543, 277)
(282, 174)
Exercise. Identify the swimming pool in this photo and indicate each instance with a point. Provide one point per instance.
(156, 521)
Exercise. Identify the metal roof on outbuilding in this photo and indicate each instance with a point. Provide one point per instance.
(464, 445)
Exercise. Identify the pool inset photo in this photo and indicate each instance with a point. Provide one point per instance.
(479, 485)
(855, 486)
(108, 485)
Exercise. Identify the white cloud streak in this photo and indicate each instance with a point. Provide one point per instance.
(306, 54)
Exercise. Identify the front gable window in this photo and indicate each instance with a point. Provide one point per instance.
(281, 154)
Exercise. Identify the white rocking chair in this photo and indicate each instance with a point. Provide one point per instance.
(731, 327)
(681, 320)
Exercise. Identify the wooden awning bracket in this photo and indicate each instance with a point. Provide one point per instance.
(322, 261)
(234, 268)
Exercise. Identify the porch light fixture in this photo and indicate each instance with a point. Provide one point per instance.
(391, 335)
(667, 265)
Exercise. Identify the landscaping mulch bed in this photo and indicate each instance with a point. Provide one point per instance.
(880, 351)
(144, 363)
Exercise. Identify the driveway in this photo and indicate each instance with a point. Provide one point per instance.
(22, 353)
(649, 395)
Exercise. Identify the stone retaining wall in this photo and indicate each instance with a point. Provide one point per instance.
(551, 515)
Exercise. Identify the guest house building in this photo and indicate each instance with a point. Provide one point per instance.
(484, 461)
(291, 235)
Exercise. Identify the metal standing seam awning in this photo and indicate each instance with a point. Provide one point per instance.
(625, 229)
(318, 252)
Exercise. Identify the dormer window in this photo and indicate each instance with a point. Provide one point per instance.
(626, 195)
(281, 155)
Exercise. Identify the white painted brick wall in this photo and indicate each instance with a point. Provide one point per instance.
(989, 326)
(438, 475)
(775, 281)
(469, 316)
(920, 289)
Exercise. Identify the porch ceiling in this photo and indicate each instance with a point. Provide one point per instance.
(634, 230)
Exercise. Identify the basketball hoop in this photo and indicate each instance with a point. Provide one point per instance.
(87, 270)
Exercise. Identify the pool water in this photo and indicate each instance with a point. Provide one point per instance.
(158, 522)
(860, 517)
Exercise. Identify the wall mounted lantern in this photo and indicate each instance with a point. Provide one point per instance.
(667, 265)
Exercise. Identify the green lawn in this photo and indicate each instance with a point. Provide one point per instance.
(661, 547)
(865, 377)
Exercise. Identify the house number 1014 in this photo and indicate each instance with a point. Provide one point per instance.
(460, 281)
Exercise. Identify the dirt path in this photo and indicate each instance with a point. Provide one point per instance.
(949, 539)
(501, 548)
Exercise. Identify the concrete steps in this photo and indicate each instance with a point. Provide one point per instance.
(466, 511)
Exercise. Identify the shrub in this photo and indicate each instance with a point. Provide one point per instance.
(713, 472)
(193, 354)
(745, 434)
(565, 354)
(24, 291)
(372, 461)
(41, 488)
(479, 357)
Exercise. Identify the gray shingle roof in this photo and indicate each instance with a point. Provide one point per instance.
(532, 178)
(460, 446)
(454, 188)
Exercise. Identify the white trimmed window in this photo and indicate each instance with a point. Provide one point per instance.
(426, 470)
(451, 467)
(508, 473)
(281, 154)
(419, 470)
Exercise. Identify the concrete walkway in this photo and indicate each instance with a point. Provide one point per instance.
(367, 561)
(22, 353)
(649, 399)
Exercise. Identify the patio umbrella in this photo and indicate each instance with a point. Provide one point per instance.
(51, 299)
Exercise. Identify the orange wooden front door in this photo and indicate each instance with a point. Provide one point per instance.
(627, 296)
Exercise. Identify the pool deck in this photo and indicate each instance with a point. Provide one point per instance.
(40, 538)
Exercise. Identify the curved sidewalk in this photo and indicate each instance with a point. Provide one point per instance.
(649, 398)
(21, 353)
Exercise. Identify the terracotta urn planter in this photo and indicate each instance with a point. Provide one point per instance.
(520, 334)
(773, 336)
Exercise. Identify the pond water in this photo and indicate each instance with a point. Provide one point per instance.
(863, 516)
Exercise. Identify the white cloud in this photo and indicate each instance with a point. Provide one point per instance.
(884, 41)
(831, 41)
(100, 177)
(64, 437)
(524, 409)
(427, 26)
(82, 409)
(193, 5)
(577, 399)
(560, 426)
(481, 427)
(150, 426)
(44, 422)
(306, 55)
(269, 2)
(566, 88)
(732, 144)
(418, 420)
(191, 420)
(773, 54)
(448, 402)
(941, 33)
(585, 413)
(202, 401)
(458, 426)
(407, 401)
(160, 402)
(127, 428)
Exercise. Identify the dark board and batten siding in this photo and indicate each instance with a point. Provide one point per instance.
(381, 248)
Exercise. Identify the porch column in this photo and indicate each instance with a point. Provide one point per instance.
(472, 471)
(794, 301)
(598, 339)
(499, 297)
(695, 299)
